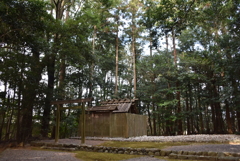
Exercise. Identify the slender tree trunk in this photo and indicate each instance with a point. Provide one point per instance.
(134, 63)
(49, 95)
(3, 110)
(228, 118)
(59, 9)
(154, 120)
(11, 110)
(149, 119)
(166, 37)
(19, 119)
(92, 66)
(218, 113)
(237, 102)
(159, 123)
(233, 114)
(174, 47)
(179, 110)
(169, 123)
(200, 111)
(62, 72)
(151, 45)
(207, 121)
(116, 70)
(188, 111)
(213, 118)
(238, 120)
(191, 110)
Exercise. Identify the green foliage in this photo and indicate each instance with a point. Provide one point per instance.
(199, 88)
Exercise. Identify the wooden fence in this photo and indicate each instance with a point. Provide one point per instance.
(115, 125)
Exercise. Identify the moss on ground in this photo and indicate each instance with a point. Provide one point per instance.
(96, 156)
(159, 145)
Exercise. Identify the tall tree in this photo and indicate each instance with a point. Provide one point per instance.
(19, 18)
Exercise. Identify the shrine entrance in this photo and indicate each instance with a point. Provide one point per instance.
(60, 107)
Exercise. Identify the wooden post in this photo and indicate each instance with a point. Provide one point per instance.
(60, 102)
(83, 124)
(80, 125)
(57, 123)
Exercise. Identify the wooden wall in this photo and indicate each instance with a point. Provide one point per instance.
(115, 125)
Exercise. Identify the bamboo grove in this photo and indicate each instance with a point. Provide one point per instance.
(180, 58)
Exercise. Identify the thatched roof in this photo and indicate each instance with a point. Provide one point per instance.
(116, 106)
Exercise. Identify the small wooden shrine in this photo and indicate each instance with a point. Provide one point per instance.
(116, 106)
(115, 118)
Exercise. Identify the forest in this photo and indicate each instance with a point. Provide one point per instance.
(180, 58)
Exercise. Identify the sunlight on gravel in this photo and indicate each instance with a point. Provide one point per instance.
(178, 138)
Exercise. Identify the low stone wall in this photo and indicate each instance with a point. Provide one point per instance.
(212, 156)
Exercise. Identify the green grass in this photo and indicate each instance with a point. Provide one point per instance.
(159, 145)
(96, 156)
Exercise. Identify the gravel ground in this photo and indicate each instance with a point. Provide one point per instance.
(179, 138)
(36, 155)
(75, 141)
(25, 154)
(207, 148)
(29, 155)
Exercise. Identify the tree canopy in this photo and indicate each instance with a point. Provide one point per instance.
(179, 57)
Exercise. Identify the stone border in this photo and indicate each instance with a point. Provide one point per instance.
(212, 156)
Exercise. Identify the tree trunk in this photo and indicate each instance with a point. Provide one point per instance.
(90, 94)
(213, 118)
(174, 47)
(19, 118)
(191, 110)
(238, 120)
(188, 115)
(166, 37)
(9, 121)
(179, 110)
(3, 111)
(116, 71)
(154, 120)
(149, 119)
(200, 111)
(29, 95)
(237, 102)
(62, 72)
(59, 9)
(207, 121)
(218, 113)
(228, 118)
(233, 122)
(134, 67)
(49, 95)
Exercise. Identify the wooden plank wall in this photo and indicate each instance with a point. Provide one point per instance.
(115, 125)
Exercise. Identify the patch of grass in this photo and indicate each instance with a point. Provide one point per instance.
(175, 159)
(96, 156)
(159, 145)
